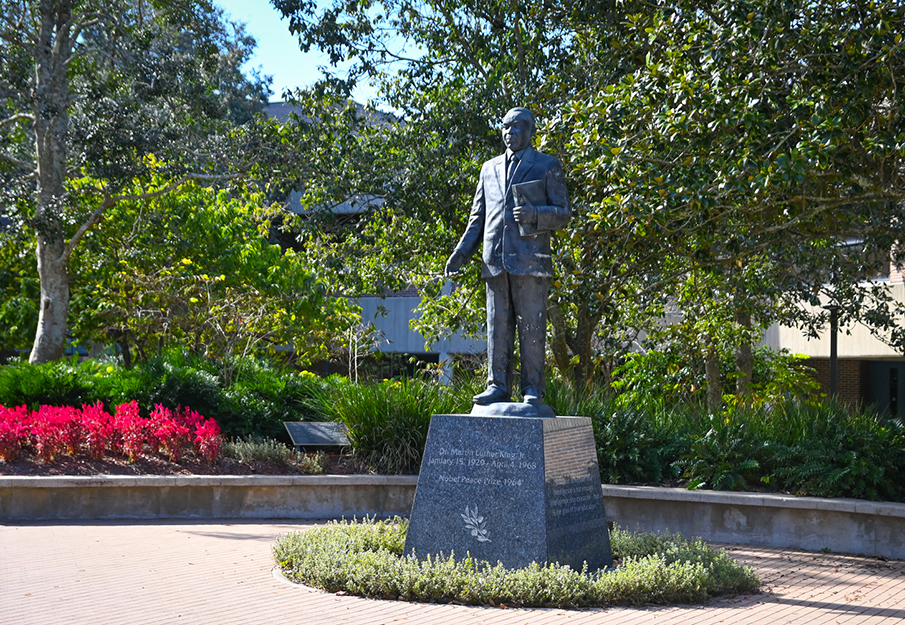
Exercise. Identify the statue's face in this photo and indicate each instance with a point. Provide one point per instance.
(517, 130)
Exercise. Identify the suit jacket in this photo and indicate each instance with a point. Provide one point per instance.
(491, 217)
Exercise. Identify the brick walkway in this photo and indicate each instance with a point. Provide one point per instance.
(202, 573)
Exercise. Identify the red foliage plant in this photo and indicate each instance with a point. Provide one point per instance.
(53, 430)
(49, 427)
(13, 431)
(207, 440)
(98, 425)
(132, 428)
(172, 433)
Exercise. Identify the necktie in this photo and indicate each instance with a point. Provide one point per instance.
(510, 169)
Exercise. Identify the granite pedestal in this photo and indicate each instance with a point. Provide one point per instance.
(511, 490)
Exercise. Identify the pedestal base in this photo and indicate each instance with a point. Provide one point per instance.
(512, 409)
(511, 490)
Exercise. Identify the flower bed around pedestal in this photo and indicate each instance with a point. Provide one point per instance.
(367, 559)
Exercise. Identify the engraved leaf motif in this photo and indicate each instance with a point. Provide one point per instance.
(475, 523)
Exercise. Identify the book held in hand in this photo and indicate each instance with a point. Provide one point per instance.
(536, 193)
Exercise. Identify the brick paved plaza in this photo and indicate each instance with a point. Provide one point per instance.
(222, 573)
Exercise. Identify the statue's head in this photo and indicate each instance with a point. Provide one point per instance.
(518, 128)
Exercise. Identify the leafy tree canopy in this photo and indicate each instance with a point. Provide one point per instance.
(195, 269)
(756, 145)
(92, 89)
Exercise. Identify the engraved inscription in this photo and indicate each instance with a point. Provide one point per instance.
(574, 497)
(481, 467)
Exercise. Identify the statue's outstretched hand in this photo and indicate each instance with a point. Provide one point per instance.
(454, 264)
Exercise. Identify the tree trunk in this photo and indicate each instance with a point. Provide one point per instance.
(744, 358)
(714, 385)
(573, 353)
(125, 348)
(51, 100)
(584, 335)
(50, 339)
(559, 339)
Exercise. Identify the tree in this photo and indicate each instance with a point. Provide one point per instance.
(195, 269)
(756, 145)
(92, 89)
(469, 63)
(756, 134)
(19, 289)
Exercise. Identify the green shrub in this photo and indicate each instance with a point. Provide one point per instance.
(837, 453)
(818, 450)
(387, 421)
(727, 456)
(651, 380)
(826, 450)
(60, 383)
(632, 448)
(251, 450)
(174, 380)
(674, 376)
(565, 399)
(367, 559)
(261, 397)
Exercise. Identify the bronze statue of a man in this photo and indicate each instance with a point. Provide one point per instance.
(520, 201)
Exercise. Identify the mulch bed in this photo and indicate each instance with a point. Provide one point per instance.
(153, 465)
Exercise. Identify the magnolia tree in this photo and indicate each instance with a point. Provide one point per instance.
(744, 158)
(760, 147)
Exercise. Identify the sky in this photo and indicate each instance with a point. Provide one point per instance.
(277, 53)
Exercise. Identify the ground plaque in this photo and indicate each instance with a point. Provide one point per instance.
(513, 490)
(317, 434)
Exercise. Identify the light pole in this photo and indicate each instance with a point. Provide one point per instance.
(834, 355)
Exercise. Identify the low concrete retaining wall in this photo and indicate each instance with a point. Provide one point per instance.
(841, 525)
(766, 520)
(204, 497)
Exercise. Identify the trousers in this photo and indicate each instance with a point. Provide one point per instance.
(516, 304)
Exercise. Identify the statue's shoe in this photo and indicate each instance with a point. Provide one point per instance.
(492, 395)
(532, 396)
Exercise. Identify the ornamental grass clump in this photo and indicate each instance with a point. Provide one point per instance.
(366, 558)
(387, 421)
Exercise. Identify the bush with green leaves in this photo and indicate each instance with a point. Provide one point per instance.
(260, 398)
(633, 449)
(387, 421)
(367, 559)
(809, 448)
(672, 377)
(820, 450)
(817, 449)
(828, 451)
(657, 378)
(250, 449)
(727, 456)
(633, 446)
(61, 383)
